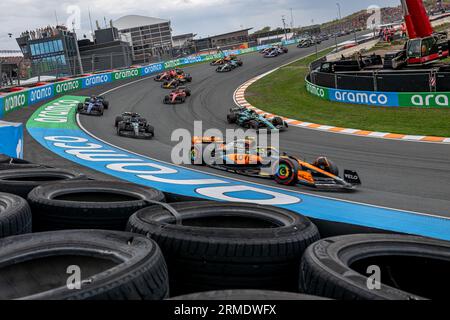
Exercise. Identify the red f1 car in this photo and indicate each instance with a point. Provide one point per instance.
(177, 96)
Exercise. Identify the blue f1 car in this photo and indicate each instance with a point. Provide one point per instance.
(93, 106)
(249, 119)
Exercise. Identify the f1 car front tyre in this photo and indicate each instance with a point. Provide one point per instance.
(119, 119)
(232, 118)
(287, 172)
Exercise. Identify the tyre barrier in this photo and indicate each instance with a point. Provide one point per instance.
(218, 246)
(15, 216)
(409, 268)
(21, 181)
(246, 295)
(113, 266)
(88, 204)
(8, 163)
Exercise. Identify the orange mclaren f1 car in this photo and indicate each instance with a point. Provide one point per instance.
(244, 157)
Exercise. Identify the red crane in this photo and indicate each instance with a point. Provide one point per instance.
(424, 45)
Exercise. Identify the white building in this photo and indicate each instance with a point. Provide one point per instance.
(149, 36)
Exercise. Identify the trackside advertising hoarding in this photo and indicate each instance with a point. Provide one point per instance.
(382, 99)
(96, 80)
(379, 99)
(15, 101)
(54, 127)
(318, 91)
(425, 100)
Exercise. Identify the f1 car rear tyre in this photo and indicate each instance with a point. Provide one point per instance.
(150, 129)
(21, 181)
(219, 246)
(232, 118)
(254, 125)
(15, 215)
(88, 205)
(377, 266)
(246, 295)
(112, 266)
(287, 172)
(197, 156)
(277, 121)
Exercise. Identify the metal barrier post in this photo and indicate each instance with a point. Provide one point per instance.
(375, 81)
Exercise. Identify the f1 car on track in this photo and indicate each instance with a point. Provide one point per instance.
(177, 96)
(305, 43)
(132, 125)
(249, 119)
(179, 80)
(246, 158)
(172, 74)
(171, 84)
(227, 59)
(233, 64)
(94, 106)
(275, 52)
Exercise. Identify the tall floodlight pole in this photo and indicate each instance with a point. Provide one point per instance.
(339, 14)
(292, 18)
(78, 49)
(284, 26)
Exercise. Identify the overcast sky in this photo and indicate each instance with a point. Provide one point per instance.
(204, 17)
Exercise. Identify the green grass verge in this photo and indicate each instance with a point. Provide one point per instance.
(283, 93)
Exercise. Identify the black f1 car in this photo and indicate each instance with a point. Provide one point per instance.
(93, 106)
(229, 66)
(275, 52)
(132, 125)
(249, 119)
(246, 158)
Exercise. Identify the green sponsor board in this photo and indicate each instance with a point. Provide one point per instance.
(67, 86)
(59, 113)
(15, 101)
(320, 92)
(125, 74)
(172, 64)
(425, 100)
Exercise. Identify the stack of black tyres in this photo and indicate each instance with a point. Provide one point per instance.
(218, 246)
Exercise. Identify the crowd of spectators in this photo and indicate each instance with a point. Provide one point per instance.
(43, 33)
(360, 20)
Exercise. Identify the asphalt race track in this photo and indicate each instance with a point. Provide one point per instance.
(397, 174)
